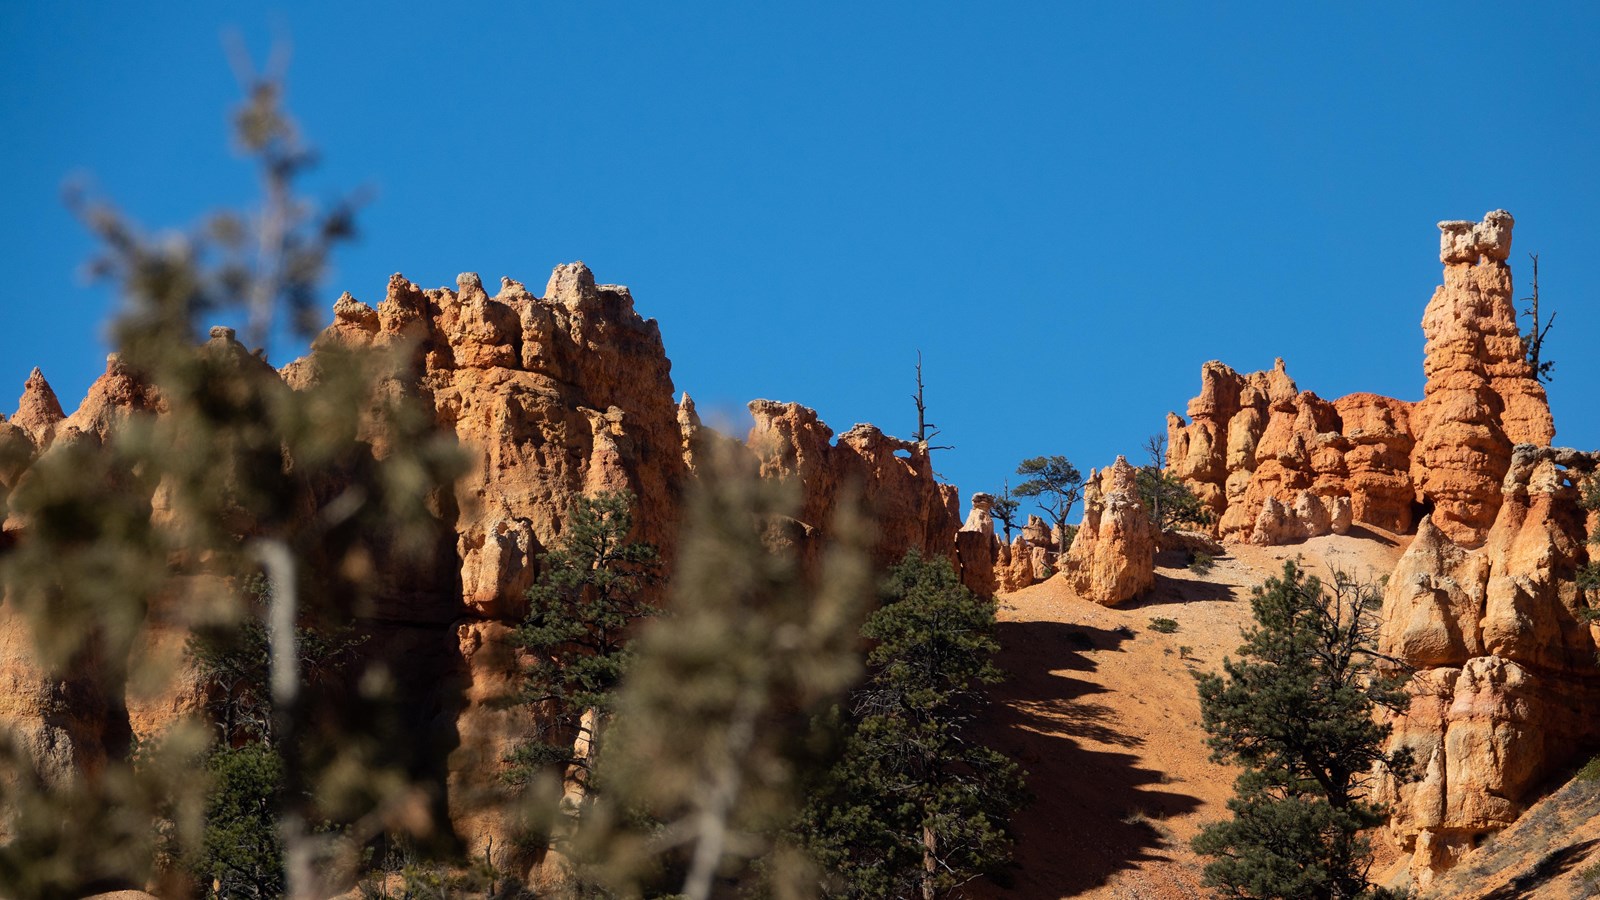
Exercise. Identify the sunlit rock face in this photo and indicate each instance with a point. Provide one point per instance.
(1112, 558)
(1483, 606)
(891, 479)
(1275, 464)
(1506, 685)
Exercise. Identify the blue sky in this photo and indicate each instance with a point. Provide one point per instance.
(1066, 207)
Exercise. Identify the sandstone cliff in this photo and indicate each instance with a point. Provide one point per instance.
(1275, 464)
(1506, 686)
(891, 478)
(551, 397)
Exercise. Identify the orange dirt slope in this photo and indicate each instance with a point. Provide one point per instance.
(1102, 713)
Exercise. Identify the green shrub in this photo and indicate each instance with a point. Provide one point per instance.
(1590, 770)
(1591, 877)
(1202, 563)
(1163, 625)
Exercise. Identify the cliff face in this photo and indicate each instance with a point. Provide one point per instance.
(1506, 688)
(891, 478)
(556, 396)
(552, 397)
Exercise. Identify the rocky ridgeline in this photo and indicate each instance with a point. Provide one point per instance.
(1275, 464)
(1110, 559)
(571, 393)
(1483, 606)
(554, 396)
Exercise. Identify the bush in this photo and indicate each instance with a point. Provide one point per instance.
(1202, 563)
(1163, 625)
(1590, 771)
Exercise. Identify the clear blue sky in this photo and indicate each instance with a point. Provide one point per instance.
(1066, 207)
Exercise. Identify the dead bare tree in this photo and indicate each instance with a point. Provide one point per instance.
(926, 431)
(1533, 338)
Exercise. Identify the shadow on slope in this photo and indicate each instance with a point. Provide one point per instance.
(1170, 588)
(1096, 812)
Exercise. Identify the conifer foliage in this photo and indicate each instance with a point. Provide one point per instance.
(1296, 711)
(590, 590)
(917, 806)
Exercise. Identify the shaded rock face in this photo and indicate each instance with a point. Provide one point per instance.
(1506, 690)
(892, 479)
(1275, 464)
(1112, 558)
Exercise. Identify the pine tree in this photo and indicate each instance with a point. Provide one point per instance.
(1057, 486)
(589, 593)
(1296, 711)
(917, 806)
(1005, 509)
(719, 716)
(1167, 499)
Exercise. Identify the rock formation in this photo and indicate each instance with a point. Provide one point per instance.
(977, 549)
(38, 410)
(1481, 397)
(1112, 558)
(551, 397)
(891, 478)
(1275, 464)
(1506, 688)
(1483, 605)
(980, 519)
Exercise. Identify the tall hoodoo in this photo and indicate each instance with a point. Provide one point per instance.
(1481, 397)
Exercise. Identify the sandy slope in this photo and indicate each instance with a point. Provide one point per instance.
(1102, 713)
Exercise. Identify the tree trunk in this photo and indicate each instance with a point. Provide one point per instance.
(930, 846)
(583, 751)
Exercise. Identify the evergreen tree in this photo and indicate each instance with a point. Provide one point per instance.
(1056, 485)
(1296, 711)
(718, 718)
(1005, 509)
(917, 806)
(242, 852)
(1167, 499)
(589, 592)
